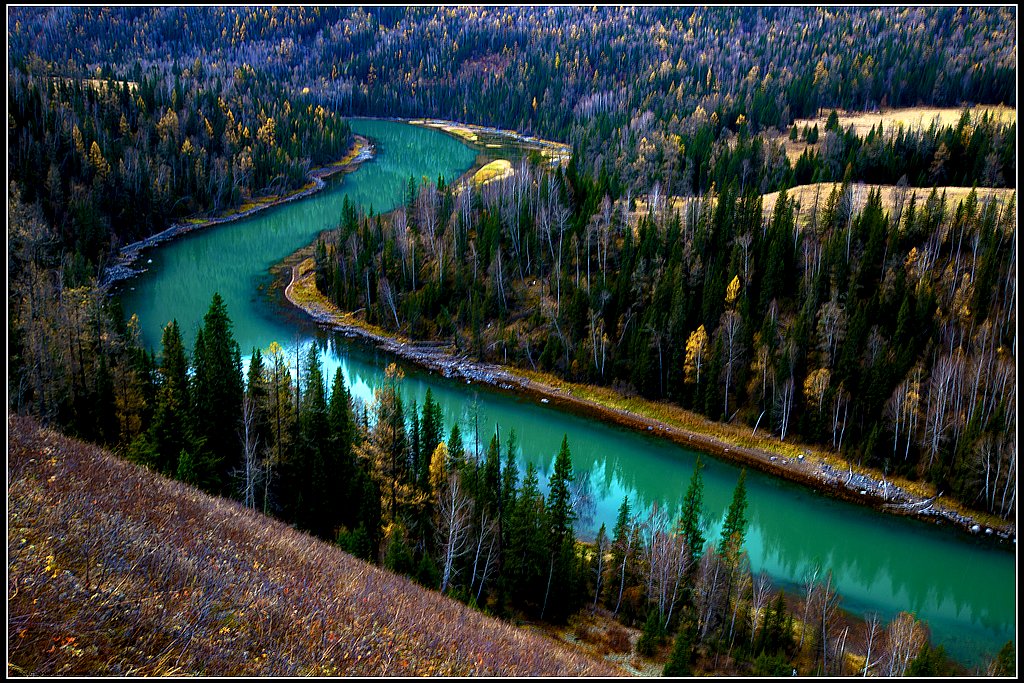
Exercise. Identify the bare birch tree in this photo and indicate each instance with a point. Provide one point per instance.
(904, 639)
(454, 512)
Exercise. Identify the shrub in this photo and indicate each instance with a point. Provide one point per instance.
(652, 636)
(617, 639)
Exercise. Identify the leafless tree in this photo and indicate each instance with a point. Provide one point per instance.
(600, 548)
(454, 512)
(484, 557)
(872, 630)
(827, 604)
(708, 593)
(938, 417)
(784, 406)
(730, 326)
(810, 585)
(839, 413)
(251, 470)
(388, 297)
(831, 328)
(744, 241)
(903, 641)
(760, 594)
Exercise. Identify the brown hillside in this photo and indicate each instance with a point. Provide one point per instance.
(113, 570)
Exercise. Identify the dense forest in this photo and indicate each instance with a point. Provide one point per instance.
(113, 160)
(876, 323)
(645, 92)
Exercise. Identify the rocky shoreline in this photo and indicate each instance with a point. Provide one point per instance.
(805, 469)
(124, 268)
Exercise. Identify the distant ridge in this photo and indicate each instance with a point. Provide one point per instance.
(114, 570)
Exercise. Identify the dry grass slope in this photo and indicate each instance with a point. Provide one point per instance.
(113, 570)
(807, 195)
(910, 118)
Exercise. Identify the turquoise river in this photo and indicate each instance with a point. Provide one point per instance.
(964, 590)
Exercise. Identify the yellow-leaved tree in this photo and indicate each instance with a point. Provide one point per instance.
(732, 292)
(438, 467)
(815, 386)
(696, 349)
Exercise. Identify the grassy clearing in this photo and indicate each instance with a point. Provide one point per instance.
(113, 570)
(494, 170)
(910, 118)
(806, 195)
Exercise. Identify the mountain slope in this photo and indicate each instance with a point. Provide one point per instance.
(114, 570)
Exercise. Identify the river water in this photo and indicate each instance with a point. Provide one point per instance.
(964, 589)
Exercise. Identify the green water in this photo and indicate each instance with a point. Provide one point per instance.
(964, 590)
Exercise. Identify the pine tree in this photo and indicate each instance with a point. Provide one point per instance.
(690, 522)
(680, 661)
(456, 448)
(170, 422)
(526, 552)
(509, 474)
(282, 417)
(489, 493)
(735, 528)
(623, 551)
(559, 597)
(317, 494)
(652, 635)
(559, 503)
(431, 427)
(217, 395)
(340, 458)
(257, 390)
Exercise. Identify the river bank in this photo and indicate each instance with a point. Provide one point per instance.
(123, 266)
(823, 472)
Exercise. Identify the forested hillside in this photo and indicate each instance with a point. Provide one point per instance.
(111, 160)
(117, 571)
(645, 93)
(887, 333)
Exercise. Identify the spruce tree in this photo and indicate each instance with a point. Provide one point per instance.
(456, 448)
(690, 523)
(680, 661)
(317, 494)
(217, 396)
(341, 425)
(489, 493)
(509, 474)
(560, 596)
(525, 554)
(170, 422)
(559, 504)
(735, 528)
(431, 427)
(256, 388)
